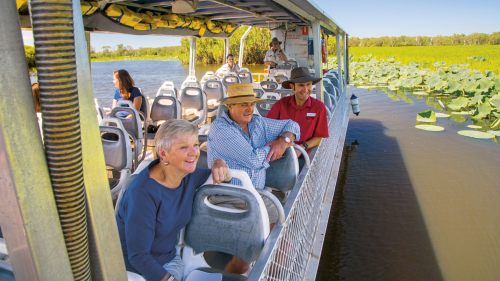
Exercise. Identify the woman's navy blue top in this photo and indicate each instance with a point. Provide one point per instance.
(149, 218)
(134, 92)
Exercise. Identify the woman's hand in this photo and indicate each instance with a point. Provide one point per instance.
(220, 171)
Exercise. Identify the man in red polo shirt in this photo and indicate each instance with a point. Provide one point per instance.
(309, 112)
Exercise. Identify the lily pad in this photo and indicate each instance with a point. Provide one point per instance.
(442, 115)
(474, 127)
(426, 116)
(495, 124)
(364, 87)
(463, 112)
(482, 111)
(458, 103)
(476, 134)
(496, 133)
(420, 93)
(495, 101)
(432, 128)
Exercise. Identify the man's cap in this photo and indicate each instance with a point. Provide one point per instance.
(275, 40)
(300, 75)
(240, 93)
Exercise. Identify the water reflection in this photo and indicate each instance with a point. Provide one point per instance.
(376, 230)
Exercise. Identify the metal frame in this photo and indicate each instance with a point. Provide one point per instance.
(339, 63)
(242, 45)
(346, 59)
(192, 57)
(318, 62)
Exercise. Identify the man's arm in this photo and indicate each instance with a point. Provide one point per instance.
(312, 142)
(274, 128)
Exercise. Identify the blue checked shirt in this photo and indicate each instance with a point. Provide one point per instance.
(228, 141)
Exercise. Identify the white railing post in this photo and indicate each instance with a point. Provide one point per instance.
(318, 62)
(226, 50)
(192, 57)
(346, 59)
(242, 45)
(339, 63)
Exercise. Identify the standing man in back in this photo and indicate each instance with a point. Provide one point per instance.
(275, 55)
(308, 112)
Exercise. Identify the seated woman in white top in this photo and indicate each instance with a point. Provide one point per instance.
(230, 66)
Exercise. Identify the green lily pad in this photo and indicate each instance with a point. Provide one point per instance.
(471, 87)
(420, 93)
(454, 86)
(441, 104)
(458, 118)
(496, 133)
(482, 111)
(458, 103)
(442, 115)
(426, 116)
(476, 99)
(474, 127)
(476, 134)
(495, 101)
(432, 128)
(463, 113)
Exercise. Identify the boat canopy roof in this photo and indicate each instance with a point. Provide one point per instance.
(258, 13)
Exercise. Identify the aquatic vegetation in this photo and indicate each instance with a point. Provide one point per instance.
(432, 128)
(476, 134)
(463, 94)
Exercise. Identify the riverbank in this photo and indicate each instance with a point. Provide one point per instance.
(144, 57)
(428, 55)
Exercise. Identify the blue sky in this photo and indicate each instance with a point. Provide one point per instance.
(367, 18)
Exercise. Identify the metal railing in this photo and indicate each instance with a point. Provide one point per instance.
(289, 247)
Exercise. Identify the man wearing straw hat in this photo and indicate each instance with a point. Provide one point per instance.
(275, 55)
(246, 142)
(309, 112)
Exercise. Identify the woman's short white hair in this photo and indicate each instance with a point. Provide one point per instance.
(171, 129)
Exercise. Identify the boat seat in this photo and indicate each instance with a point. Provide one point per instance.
(245, 76)
(100, 111)
(194, 98)
(285, 92)
(165, 91)
(229, 80)
(203, 137)
(280, 78)
(6, 272)
(133, 125)
(144, 105)
(271, 96)
(215, 93)
(269, 86)
(264, 107)
(240, 233)
(258, 92)
(282, 173)
(117, 152)
(222, 108)
(164, 108)
(293, 63)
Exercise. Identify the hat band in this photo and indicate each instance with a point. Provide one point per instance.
(241, 96)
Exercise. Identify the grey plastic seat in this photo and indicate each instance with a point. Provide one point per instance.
(282, 173)
(144, 105)
(281, 78)
(100, 111)
(269, 86)
(221, 109)
(293, 63)
(167, 91)
(229, 80)
(285, 92)
(245, 76)
(240, 233)
(215, 93)
(117, 152)
(191, 81)
(194, 98)
(203, 137)
(164, 108)
(264, 107)
(258, 92)
(133, 125)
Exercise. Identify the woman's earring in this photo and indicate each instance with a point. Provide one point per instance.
(166, 163)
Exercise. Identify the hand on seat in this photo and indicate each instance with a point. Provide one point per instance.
(220, 171)
(278, 147)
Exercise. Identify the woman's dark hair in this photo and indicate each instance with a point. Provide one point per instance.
(36, 96)
(230, 55)
(125, 81)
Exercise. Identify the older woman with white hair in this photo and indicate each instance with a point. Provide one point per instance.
(158, 202)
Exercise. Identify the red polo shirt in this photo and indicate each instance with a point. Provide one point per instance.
(311, 116)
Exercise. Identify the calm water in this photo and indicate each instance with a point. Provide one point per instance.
(412, 204)
(409, 204)
(148, 75)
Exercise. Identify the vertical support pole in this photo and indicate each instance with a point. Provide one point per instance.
(28, 215)
(339, 63)
(242, 45)
(226, 49)
(192, 57)
(346, 59)
(106, 258)
(87, 38)
(318, 62)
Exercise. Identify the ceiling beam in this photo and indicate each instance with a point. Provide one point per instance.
(244, 9)
(230, 16)
(211, 11)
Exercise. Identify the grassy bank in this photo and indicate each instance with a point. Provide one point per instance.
(428, 55)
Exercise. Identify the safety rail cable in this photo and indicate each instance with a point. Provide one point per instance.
(291, 251)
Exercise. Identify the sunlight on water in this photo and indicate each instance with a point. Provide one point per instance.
(412, 204)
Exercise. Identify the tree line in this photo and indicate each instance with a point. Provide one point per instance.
(128, 51)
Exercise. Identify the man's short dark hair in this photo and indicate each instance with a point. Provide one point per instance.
(230, 55)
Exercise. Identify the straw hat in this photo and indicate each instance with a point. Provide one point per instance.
(275, 40)
(300, 75)
(240, 93)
